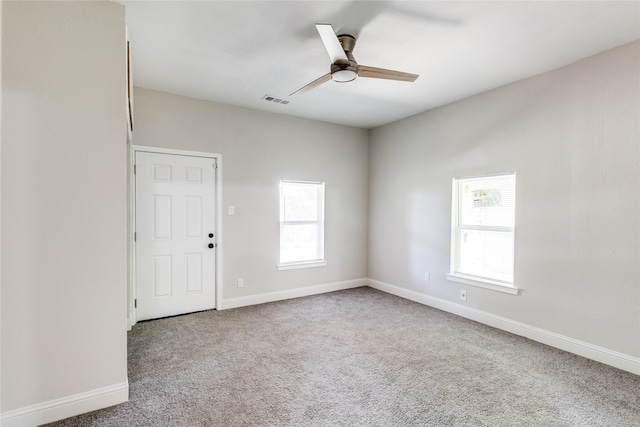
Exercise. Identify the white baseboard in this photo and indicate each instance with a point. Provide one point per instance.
(291, 293)
(581, 348)
(66, 407)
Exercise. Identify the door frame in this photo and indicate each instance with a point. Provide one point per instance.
(131, 223)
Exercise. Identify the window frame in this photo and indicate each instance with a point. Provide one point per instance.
(319, 223)
(455, 274)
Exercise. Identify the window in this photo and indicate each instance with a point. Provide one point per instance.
(301, 224)
(482, 236)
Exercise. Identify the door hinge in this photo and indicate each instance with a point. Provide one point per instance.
(215, 165)
(134, 169)
(135, 303)
(135, 236)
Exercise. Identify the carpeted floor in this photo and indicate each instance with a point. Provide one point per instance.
(357, 358)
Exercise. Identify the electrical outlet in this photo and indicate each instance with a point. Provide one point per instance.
(463, 295)
(427, 277)
(240, 283)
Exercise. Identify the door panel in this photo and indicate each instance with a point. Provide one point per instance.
(175, 213)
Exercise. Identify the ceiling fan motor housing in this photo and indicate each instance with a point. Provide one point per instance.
(343, 72)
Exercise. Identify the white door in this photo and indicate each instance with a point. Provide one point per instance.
(175, 234)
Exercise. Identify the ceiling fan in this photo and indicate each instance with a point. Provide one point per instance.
(344, 67)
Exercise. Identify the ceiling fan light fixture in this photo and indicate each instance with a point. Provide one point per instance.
(343, 76)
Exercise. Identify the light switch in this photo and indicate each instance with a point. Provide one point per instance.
(231, 210)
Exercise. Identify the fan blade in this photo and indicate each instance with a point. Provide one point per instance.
(331, 43)
(316, 82)
(381, 73)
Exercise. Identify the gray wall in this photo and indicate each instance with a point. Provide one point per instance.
(258, 150)
(63, 201)
(572, 136)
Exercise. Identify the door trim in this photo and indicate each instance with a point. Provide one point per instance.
(132, 285)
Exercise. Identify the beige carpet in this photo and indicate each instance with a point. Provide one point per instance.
(357, 358)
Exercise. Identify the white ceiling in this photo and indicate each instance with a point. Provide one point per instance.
(236, 52)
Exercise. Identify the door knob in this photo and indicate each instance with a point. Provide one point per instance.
(210, 245)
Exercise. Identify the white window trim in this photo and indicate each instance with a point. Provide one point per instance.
(304, 264)
(481, 282)
(315, 262)
(454, 276)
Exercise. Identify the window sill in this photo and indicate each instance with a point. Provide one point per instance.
(483, 283)
(296, 265)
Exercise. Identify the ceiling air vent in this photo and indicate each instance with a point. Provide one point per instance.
(274, 99)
